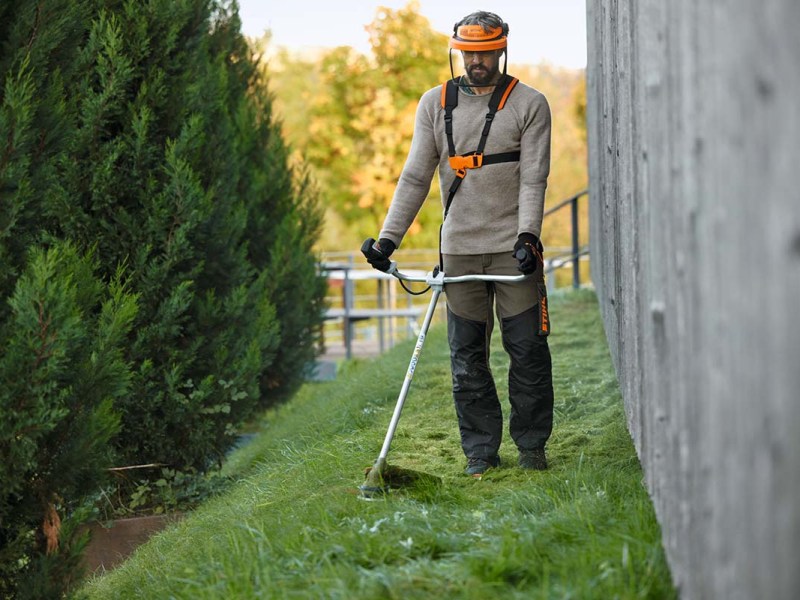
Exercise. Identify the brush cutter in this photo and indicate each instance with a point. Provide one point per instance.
(375, 485)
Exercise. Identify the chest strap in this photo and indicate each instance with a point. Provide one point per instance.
(473, 160)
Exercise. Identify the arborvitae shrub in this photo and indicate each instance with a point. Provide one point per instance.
(194, 192)
(61, 370)
(140, 135)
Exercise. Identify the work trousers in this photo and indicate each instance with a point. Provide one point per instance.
(470, 320)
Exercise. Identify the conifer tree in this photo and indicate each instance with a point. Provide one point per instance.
(61, 369)
(189, 185)
(62, 327)
(150, 224)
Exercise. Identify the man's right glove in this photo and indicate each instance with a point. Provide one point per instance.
(528, 252)
(378, 253)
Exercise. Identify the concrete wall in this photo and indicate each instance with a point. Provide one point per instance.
(694, 127)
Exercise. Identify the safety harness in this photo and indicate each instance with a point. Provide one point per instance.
(461, 163)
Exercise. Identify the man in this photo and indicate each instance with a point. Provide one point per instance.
(490, 138)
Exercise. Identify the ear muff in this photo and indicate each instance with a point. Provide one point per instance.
(474, 38)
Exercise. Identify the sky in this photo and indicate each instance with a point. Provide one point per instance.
(552, 31)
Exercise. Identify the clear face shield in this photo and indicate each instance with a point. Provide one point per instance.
(480, 50)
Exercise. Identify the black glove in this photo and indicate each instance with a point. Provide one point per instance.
(378, 253)
(528, 251)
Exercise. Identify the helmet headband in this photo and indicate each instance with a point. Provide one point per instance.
(474, 39)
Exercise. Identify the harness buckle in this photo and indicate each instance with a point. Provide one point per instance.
(468, 161)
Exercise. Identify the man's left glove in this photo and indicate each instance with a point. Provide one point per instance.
(378, 253)
(528, 251)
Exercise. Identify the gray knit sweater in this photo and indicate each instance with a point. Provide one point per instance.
(495, 203)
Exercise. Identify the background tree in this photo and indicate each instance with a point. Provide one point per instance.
(353, 121)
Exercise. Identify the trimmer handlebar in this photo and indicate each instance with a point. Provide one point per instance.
(437, 278)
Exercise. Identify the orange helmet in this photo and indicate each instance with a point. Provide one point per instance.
(473, 38)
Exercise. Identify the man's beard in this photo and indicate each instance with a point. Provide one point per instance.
(483, 76)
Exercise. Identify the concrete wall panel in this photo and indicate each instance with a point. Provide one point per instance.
(694, 152)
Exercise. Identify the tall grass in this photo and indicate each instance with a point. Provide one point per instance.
(294, 527)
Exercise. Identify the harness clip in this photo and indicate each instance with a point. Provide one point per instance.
(468, 161)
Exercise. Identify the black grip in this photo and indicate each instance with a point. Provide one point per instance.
(367, 246)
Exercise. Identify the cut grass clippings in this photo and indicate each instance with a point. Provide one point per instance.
(293, 526)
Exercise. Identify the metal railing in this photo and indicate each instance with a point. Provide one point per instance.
(382, 306)
(573, 257)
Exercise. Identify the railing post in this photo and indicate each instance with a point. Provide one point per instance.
(550, 280)
(381, 343)
(576, 274)
(347, 290)
(409, 320)
(391, 303)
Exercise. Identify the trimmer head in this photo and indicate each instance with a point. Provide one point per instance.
(382, 478)
(371, 493)
(374, 487)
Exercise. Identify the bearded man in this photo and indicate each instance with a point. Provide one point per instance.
(489, 135)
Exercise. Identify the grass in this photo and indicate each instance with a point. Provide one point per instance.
(294, 527)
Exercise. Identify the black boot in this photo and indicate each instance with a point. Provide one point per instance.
(533, 459)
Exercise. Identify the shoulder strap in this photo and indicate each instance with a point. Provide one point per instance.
(502, 92)
(450, 93)
(496, 102)
(449, 102)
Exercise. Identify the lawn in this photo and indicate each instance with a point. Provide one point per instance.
(293, 525)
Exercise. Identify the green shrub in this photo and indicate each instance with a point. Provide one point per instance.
(139, 134)
(181, 174)
(60, 372)
(160, 151)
